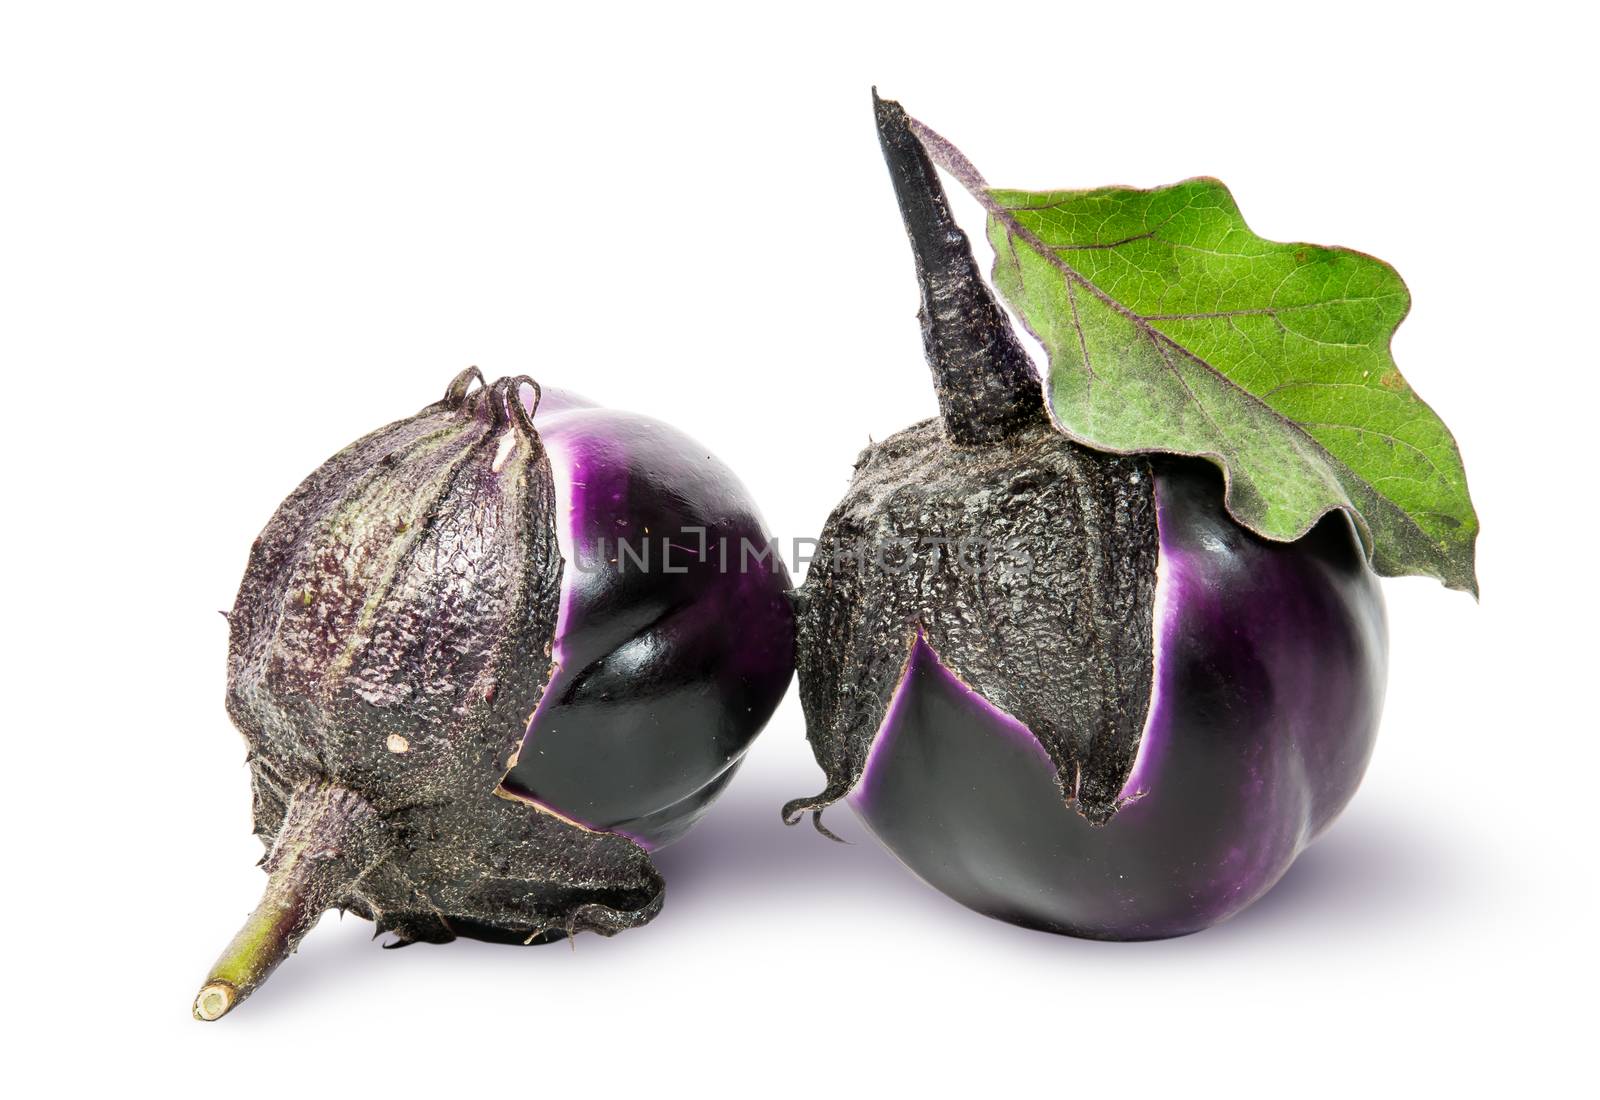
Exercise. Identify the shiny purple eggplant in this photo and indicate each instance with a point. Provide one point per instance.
(653, 699)
(1269, 669)
(482, 663)
(1074, 694)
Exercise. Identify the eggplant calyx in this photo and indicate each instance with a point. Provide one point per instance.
(456, 393)
(511, 400)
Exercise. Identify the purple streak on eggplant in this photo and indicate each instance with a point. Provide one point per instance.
(662, 679)
(1268, 689)
(1128, 724)
(398, 623)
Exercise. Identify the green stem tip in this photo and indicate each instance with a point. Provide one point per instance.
(323, 846)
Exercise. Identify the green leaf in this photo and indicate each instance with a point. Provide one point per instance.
(1171, 327)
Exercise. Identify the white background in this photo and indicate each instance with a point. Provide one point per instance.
(234, 237)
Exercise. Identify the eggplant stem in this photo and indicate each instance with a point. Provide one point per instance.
(326, 842)
(988, 387)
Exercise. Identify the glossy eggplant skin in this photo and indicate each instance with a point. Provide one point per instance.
(1270, 667)
(674, 643)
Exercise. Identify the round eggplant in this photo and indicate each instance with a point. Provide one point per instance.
(479, 673)
(1063, 686)
(1268, 671)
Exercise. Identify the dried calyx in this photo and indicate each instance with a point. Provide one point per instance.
(1026, 562)
(392, 635)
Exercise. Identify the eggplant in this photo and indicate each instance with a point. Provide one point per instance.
(654, 699)
(1075, 696)
(468, 714)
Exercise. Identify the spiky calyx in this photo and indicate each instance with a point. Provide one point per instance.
(1025, 561)
(392, 635)
(1028, 566)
